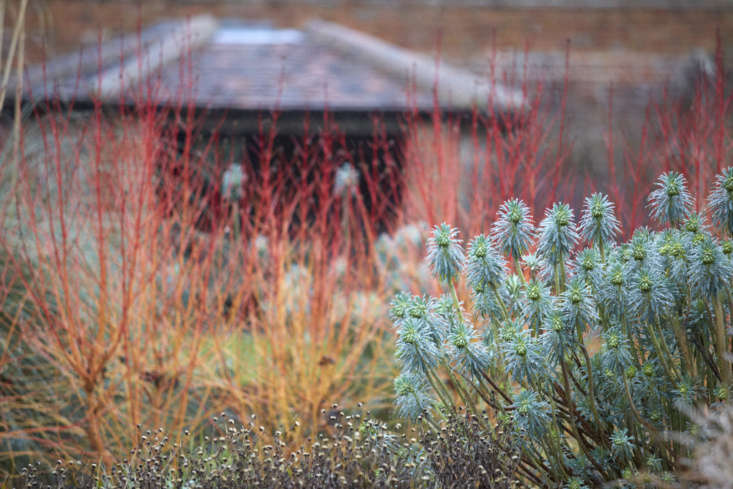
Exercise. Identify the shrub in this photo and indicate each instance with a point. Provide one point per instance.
(588, 351)
(358, 451)
(116, 310)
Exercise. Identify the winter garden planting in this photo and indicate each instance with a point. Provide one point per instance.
(169, 318)
(588, 358)
(568, 369)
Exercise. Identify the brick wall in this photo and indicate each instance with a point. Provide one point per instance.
(664, 4)
(464, 31)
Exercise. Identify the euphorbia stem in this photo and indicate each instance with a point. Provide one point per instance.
(461, 391)
(635, 411)
(553, 451)
(660, 353)
(497, 388)
(455, 299)
(601, 248)
(681, 335)
(518, 268)
(721, 342)
(438, 388)
(483, 392)
(666, 351)
(559, 277)
(573, 415)
(591, 389)
(501, 302)
(632, 341)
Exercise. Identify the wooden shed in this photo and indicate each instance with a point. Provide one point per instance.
(240, 76)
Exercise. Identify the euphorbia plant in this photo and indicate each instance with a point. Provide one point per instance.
(586, 348)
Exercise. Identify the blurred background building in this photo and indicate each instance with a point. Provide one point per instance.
(636, 49)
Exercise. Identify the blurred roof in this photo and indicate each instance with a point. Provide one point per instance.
(231, 64)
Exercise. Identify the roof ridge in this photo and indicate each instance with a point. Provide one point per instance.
(455, 85)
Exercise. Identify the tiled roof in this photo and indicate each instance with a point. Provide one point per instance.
(234, 65)
(302, 75)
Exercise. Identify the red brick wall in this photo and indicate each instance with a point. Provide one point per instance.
(463, 31)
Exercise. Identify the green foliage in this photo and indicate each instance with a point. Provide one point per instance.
(589, 353)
